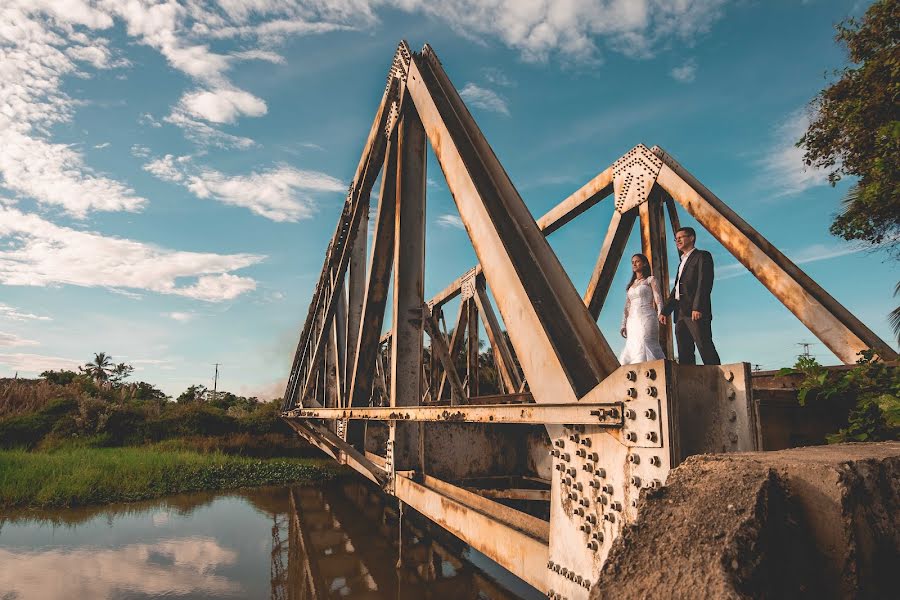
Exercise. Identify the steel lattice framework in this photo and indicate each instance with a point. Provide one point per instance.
(572, 428)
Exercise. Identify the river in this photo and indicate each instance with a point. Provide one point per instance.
(337, 540)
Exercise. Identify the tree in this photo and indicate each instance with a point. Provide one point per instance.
(195, 393)
(856, 131)
(61, 377)
(120, 373)
(98, 369)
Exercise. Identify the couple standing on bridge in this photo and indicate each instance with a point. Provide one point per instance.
(690, 302)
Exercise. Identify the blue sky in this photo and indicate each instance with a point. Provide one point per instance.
(171, 173)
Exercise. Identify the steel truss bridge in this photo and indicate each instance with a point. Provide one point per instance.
(543, 476)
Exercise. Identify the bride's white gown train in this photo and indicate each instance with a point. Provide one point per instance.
(643, 304)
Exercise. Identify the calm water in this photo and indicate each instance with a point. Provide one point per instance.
(338, 541)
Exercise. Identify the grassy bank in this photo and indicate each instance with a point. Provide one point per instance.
(81, 476)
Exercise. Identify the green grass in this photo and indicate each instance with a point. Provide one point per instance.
(80, 476)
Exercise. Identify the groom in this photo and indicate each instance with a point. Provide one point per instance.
(690, 300)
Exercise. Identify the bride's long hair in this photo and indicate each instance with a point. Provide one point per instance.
(645, 270)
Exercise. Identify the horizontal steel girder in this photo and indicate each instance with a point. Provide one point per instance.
(607, 414)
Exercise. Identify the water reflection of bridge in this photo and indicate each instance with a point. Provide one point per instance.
(342, 542)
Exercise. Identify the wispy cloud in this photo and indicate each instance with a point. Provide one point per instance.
(181, 317)
(14, 314)
(484, 98)
(685, 73)
(40, 254)
(784, 173)
(222, 105)
(11, 339)
(451, 220)
(282, 193)
(801, 256)
(36, 363)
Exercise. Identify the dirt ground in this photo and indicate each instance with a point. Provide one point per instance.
(818, 522)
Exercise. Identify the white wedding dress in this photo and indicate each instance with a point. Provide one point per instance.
(643, 304)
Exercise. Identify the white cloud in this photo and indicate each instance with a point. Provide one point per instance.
(686, 72)
(222, 105)
(573, 29)
(36, 363)
(101, 146)
(15, 314)
(784, 172)
(140, 151)
(11, 339)
(181, 317)
(202, 134)
(148, 119)
(495, 76)
(41, 254)
(450, 220)
(484, 98)
(257, 54)
(283, 193)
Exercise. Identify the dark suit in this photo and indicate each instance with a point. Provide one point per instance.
(694, 289)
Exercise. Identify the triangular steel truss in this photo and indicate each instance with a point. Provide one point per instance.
(554, 337)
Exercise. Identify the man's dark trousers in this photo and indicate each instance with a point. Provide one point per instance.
(689, 333)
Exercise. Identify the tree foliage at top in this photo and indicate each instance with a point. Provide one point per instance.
(856, 130)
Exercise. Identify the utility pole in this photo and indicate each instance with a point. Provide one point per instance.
(757, 368)
(215, 382)
(806, 346)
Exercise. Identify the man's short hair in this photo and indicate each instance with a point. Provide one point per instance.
(688, 230)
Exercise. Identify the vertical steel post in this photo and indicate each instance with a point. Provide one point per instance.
(409, 285)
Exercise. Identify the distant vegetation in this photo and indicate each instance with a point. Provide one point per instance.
(97, 407)
(89, 436)
(871, 389)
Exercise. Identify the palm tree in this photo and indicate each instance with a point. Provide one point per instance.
(894, 317)
(100, 368)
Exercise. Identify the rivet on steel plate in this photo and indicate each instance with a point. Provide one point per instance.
(655, 461)
(733, 416)
(631, 376)
(651, 391)
(650, 374)
(631, 436)
(630, 414)
(732, 394)
(634, 459)
(631, 393)
(733, 437)
(601, 472)
(651, 436)
(607, 488)
(730, 376)
(650, 413)
(635, 480)
(586, 442)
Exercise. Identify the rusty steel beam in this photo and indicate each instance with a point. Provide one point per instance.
(561, 350)
(653, 245)
(581, 200)
(620, 226)
(329, 443)
(605, 414)
(522, 554)
(439, 349)
(408, 290)
(563, 213)
(473, 350)
(456, 341)
(309, 352)
(825, 317)
(377, 287)
(503, 357)
(356, 297)
(514, 494)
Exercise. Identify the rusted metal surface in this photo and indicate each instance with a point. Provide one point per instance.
(439, 349)
(653, 244)
(512, 548)
(607, 414)
(588, 435)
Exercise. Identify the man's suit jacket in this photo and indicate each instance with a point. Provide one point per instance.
(695, 287)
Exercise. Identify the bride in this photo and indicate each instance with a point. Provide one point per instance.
(643, 314)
